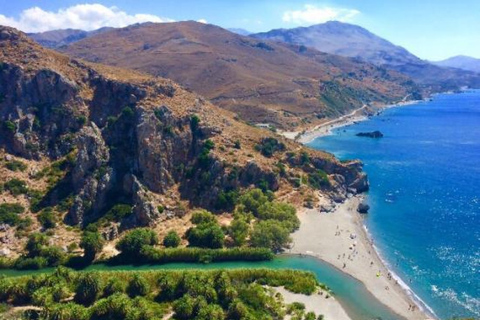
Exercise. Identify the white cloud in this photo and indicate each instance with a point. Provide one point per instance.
(202, 21)
(311, 14)
(81, 16)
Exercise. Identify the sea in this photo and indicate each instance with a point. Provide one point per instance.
(424, 195)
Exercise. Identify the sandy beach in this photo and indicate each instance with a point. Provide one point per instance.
(339, 238)
(330, 308)
(326, 128)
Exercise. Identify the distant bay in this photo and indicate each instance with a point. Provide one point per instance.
(425, 195)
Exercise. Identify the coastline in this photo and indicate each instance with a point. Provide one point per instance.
(326, 128)
(346, 245)
(399, 297)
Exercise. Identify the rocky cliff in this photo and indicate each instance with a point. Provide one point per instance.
(100, 136)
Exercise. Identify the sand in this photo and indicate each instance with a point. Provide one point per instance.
(329, 307)
(328, 236)
(326, 128)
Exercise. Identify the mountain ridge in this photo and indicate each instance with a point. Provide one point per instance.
(263, 82)
(460, 62)
(354, 41)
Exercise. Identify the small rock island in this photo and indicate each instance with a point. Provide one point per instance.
(375, 134)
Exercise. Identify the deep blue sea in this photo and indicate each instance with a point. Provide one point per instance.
(425, 195)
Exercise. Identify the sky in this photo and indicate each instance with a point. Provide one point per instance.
(430, 29)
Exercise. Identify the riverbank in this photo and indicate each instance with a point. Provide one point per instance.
(340, 238)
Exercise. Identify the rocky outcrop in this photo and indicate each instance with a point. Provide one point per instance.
(363, 208)
(145, 213)
(375, 134)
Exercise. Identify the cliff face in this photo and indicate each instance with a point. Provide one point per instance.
(123, 137)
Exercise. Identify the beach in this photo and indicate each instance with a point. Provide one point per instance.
(330, 308)
(326, 128)
(340, 238)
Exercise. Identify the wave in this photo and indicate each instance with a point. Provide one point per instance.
(415, 298)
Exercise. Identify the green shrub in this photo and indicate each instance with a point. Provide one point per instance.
(114, 285)
(127, 112)
(54, 256)
(268, 146)
(270, 234)
(47, 218)
(138, 286)
(227, 200)
(9, 213)
(152, 255)
(16, 187)
(238, 230)
(171, 240)
(203, 217)
(88, 288)
(92, 244)
(15, 165)
(131, 245)
(194, 123)
(118, 212)
(36, 242)
(36, 263)
(318, 179)
(207, 233)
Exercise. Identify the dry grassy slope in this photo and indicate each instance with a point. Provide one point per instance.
(23, 61)
(259, 80)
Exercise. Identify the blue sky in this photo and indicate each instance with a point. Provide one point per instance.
(431, 29)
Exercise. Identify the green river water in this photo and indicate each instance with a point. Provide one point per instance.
(352, 294)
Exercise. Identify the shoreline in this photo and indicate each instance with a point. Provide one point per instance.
(349, 248)
(357, 115)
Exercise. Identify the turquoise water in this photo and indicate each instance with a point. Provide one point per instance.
(425, 195)
(352, 294)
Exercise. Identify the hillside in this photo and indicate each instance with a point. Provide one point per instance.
(263, 82)
(356, 42)
(460, 62)
(82, 143)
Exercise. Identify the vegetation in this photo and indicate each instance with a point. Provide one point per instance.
(92, 244)
(269, 146)
(47, 218)
(118, 212)
(207, 233)
(217, 294)
(274, 221)
(39, 254)
(152, 255)
(16, 187)
(16, 165)
(9, 213)
(318, 179)
(131, 245)
(172, 239)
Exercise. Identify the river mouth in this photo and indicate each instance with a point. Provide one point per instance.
(351, 293)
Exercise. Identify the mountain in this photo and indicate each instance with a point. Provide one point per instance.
(344, 39)
(356, 42)
(57, 38)
(264, 82)
(240, 31)
(460, 62)
(78, 139)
